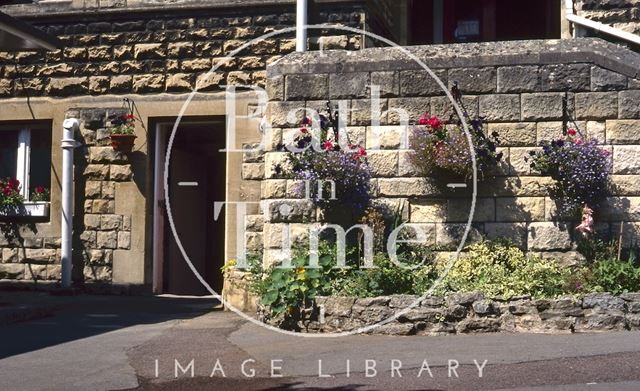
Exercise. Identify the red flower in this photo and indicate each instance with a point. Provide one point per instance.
(572, 132)
(361, 152)
(129, 116)
(306, 120)
(14, 183)
(39, 190)
(7, 191)
(423, 120)
(434, 122)
(328, 145)
(303, 130)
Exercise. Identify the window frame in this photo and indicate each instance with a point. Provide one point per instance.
(24, 141)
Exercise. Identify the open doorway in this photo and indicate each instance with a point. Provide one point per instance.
(197, 179)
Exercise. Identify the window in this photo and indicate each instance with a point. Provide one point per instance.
(25, 153)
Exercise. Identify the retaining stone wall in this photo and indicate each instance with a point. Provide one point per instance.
(517, 86)
(472, 313)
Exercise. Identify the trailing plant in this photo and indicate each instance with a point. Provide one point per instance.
(580, 169)
(316, 158)
(442, 148)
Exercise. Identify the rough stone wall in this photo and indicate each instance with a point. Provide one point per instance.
(622, 14)
(154, 53)
(463, 313)
(33, 257)
(98, 229)
(517, 87)
(147, 52)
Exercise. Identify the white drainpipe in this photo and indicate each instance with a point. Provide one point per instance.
(68, 145)
(597, 26)
(301, 26)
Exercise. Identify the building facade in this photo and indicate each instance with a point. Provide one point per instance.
(144, 58)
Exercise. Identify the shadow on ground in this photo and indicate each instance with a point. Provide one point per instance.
(84, 316)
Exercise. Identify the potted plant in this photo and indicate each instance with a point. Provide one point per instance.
(580, 169)
(440, 148)
(12, 204)
(123, 133)
(39, 203)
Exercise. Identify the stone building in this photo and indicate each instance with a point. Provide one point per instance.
(148, 56)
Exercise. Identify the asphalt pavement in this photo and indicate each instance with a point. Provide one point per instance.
(168, 343)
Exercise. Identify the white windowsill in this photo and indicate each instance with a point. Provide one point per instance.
(28, 209)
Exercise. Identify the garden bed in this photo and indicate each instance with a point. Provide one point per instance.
(463, 313)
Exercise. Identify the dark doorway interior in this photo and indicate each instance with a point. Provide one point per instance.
(451, 21)
(195, 159)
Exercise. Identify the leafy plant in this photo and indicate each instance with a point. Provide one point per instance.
(607, 275)
(286, 290)
(442, 149)
(609, 269)
(500, 269)
(579, 168)
(10, 193)
(386, 278)
(40, 194)
(124, 124)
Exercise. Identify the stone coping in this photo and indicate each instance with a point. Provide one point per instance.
(531, 52)
(464, 313)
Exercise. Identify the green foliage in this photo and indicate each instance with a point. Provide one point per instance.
(386, 278)
(605, 272)
(284, 290)
(499, 269)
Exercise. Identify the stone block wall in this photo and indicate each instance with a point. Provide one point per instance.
(98, 229)
(156, 52)
(622, 14)
(518, 87)
(463, 313)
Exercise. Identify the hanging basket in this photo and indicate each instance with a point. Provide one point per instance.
(123, 142)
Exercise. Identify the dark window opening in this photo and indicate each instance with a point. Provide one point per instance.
(454, 21)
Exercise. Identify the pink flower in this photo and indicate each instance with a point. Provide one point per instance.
(605, 152)
(586, 226)
(579, 141)
(39, 190)
(424, 120)
(328, 145)
(572, 132)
